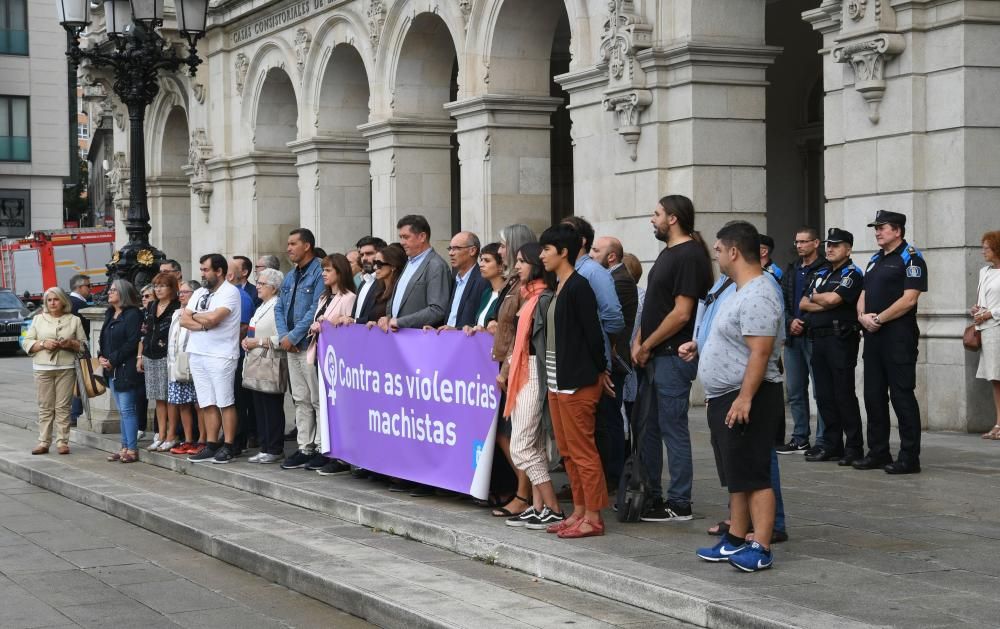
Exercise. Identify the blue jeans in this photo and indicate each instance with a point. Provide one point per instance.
(125, 400)
(798, 373)
(668, 420)
(779, 504)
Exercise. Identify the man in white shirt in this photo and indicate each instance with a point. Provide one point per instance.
(213, 316)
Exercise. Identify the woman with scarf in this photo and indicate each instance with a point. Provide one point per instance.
(526, 391)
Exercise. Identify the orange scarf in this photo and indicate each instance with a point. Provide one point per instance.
(519, 357)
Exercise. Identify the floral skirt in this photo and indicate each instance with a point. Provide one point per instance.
(180, 393)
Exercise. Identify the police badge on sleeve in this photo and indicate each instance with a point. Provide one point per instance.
(913, 271)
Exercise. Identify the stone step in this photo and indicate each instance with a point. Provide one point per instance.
(621, 566)
(387, 580)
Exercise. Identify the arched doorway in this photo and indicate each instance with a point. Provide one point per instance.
(169, 190)
(275, 191)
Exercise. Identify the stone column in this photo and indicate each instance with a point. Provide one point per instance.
(912, 126)
(265, 203)
(506, 161)
(336, 189)
(411, 174)
(170, 212)
(101, 412)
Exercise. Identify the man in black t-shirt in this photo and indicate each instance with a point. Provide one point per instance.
(681, 276)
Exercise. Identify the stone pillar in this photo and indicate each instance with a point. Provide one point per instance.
(170, 216)
(265, 203)
(101, 412)
(912, 126)
(411, 174)
(336, 189)
(506, 161)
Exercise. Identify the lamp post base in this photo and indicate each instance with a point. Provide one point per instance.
(137, 262)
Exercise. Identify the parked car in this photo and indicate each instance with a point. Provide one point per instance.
(13, 317)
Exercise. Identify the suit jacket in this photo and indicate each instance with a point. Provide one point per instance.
(252, 291)
(426, 297)
(468, 308)
(77, 304)
(628, 295)
(363, 310)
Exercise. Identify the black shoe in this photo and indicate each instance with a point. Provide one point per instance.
(668, 511)
(317, 462)
(360, 472)
(224, 455)
(902, 467)
(871, 463)
(421, 491)
(401, 486)
(292, 434)
(207, 455)
(334, 466)
(819, 453)
(850, 456)
(813, 450)
(792, 447)
(297, 460)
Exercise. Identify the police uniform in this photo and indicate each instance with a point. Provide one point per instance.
(891, 353)
(835, 338)
(771, 267)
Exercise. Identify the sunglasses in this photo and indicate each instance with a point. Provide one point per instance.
(205, 300)
(378, 264)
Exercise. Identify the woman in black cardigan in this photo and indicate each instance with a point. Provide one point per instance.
(119, 346)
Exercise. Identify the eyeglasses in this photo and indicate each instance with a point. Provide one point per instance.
(184, 292)
(378, 264)
(455, 248)
(112, 290)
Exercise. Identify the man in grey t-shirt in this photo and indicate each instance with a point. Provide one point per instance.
(739, 371)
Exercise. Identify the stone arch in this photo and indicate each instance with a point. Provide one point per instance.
(278, 101)
(344, 92)
(272, 55)
(340, 29)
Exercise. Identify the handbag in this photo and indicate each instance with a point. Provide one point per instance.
(90, 380)
(972, 339)
(180, 369)
(265, 371)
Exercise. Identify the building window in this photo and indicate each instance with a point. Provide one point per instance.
(15, 213)
(13, 27)
(83, 131)
(15, 141)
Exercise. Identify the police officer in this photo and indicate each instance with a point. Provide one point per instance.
(829, 307)
(766, 263)
(887, 310)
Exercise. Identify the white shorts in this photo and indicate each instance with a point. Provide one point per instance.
(213, 380)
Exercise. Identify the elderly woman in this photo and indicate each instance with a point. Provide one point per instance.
(119, 349)
(262, 334)
(53, 341)
(152, 359)
(180, 388)
(986, 314)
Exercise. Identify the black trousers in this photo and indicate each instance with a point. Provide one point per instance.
(270, 415)
(833, 361)
(247, 425)
(891, 375)
(609, 431)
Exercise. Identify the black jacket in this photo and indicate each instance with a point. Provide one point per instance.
(468, 308)
(77, 305)
(120, 345)
(628, 296)
(363, 311)
(788, 286)
(578, 335)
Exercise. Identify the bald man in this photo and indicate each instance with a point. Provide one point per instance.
(467, 284)
(609, 253)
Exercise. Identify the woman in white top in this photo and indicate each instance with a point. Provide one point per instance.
(492, 269)
(261, 334)
(180, 389)
(986, 314)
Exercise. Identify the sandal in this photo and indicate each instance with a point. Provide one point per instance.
(720, 529)
(117, 456)
(130, 456)
(575, 532)
(504, 512)
(993, 434)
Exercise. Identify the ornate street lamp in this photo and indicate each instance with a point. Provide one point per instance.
(136, 53)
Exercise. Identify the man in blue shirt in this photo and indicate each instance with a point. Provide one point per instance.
(463, 253)
(237, 276)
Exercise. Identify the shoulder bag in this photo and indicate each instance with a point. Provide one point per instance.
(265, 370)
(972, 339)
(89, 375)
(180, 370)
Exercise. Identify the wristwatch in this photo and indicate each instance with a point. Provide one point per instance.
(876, 319)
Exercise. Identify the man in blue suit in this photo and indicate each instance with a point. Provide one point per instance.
(468, 284)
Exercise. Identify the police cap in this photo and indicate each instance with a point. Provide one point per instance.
(836, 235)
(885, 216)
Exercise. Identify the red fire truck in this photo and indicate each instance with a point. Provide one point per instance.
(48, 258)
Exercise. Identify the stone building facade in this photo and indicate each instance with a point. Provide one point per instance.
(342, 115)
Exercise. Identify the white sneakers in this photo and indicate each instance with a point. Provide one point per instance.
(153, 447)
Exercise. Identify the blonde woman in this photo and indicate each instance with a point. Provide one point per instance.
(53, 341)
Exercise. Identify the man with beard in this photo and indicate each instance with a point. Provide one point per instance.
(368, 290)
(680, 277)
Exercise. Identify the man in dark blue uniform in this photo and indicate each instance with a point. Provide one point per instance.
(887, 310)
(766, 263)
(829, 307)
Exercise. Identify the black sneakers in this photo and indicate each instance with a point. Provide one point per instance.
(224, 455)
(317, 462)
(792, 447)
(205, 456)
(297, 460)
(333, 466)
(522, 519)
(544, 519)
(659, 510)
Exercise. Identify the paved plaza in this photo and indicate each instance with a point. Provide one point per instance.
(866, 549)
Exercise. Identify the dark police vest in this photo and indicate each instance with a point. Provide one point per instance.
(848, 282)
(889, 274)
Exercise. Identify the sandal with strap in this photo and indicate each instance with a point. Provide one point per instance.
(993, 434)
(504, 512)
(576, 532)
(117, 456)
(130, 456)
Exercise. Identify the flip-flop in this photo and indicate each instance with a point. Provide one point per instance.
(504, 512)
(721, 528)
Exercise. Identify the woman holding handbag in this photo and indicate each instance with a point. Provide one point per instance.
(53, 342)
(986, 315)
(181, 398)
(152, 359)
(261, 340)
(119, 345)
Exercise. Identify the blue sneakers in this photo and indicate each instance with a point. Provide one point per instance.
(721, 551)
(752, 558)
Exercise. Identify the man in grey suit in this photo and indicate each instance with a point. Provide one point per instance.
(420, 298)
(422, 294)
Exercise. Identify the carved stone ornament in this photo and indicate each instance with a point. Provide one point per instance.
(119, 115)
(625, 34)
(198, 89)
(303, 41)
(856, 9)
(867, 58)
(242, 66)
(118, 179)
(376, 20)
(465, 6)
(199, 152)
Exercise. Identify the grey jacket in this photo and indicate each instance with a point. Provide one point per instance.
(427, 295)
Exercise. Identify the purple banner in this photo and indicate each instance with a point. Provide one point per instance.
(412, 404)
